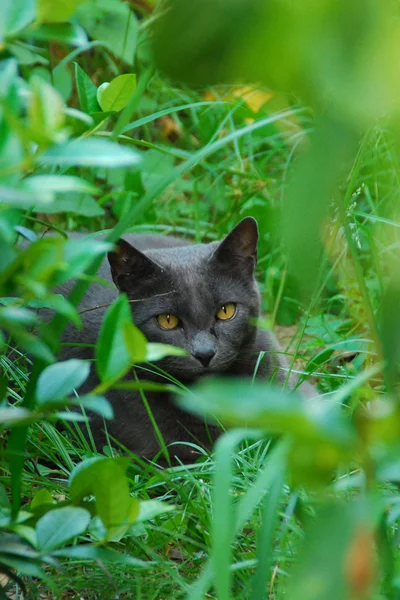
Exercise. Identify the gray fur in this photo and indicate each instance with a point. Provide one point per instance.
(169, 275)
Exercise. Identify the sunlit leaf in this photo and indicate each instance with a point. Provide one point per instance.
(114, 96)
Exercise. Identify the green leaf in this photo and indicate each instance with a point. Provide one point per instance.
(33, 345)
(60, 305)
(66, 33)
(113, 358)
(87, 91)
(135, 342)
(114, 96)
(264, 406)
(156, 351)
(45, 111)
(106, 479)
(112, 22)
(57, 381)
(56, 11)
(59, 184)
(76, 204)
(97, 404)
(13, 315)
(41, 497)
(149, 509)
(92, 552)
(21, 198)
(14, 415)
(114, 505)
(339, 552)
(15, 15)
(90, 153)
(79, 253)
(81, 477)
(59, 526)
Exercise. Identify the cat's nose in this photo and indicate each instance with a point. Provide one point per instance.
(204, 356)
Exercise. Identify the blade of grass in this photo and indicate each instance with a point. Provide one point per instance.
(265, 545)
(275, 464)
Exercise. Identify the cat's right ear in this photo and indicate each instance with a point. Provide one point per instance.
(239, 246)
(129, 264)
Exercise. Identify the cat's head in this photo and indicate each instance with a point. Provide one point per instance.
(200, 297)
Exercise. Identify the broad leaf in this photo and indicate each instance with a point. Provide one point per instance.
(106, 479)
(59, 184)
(57, 381)
(90, 153)
(59, 526)
(112, 22)
(66, 33)
(114, 96)
(97, 404)
(15, 15)
(56, 11)
(74, 203)
(21, 198)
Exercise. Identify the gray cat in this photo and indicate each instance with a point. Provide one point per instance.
(200, 297)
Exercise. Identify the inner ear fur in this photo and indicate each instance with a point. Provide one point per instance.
(240, 244)
(128, 261)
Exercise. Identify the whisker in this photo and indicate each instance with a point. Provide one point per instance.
(81, 312)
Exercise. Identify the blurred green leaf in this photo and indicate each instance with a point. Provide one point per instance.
(59, 304)
(60, 525)
(264, 406)
(41, 497)
(22, 198)
(97, 404)
(15, 15)
(56, 11)
(72, 203)
(57, 381)
(32, 344)
(90, 153)
(65, 33)
(337, 561)
(112, 22)
(12, 315)
(92, 552)
(14, 415)
(156, 351)
(59, 184)
(46, 115)
(114, 96)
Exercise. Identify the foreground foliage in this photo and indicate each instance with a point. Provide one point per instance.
(302, 503)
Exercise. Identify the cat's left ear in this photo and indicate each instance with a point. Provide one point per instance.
(240, 245)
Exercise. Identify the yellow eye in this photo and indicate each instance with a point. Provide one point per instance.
(227, 311)
(167, 321)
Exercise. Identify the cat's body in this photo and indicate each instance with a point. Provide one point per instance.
(170, 277)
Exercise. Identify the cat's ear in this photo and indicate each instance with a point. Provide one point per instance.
(240, 245)
(127, 264)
